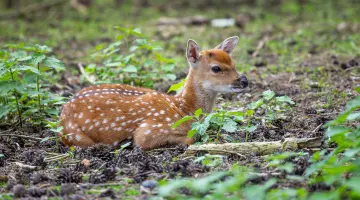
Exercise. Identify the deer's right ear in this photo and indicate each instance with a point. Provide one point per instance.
(192, 53)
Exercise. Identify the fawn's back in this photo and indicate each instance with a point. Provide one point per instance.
(111, 113)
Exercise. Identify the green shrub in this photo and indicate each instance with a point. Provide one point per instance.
(24, 70)
(131, 59)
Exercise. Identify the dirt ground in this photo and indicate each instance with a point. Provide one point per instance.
(106, 171)
(319, 82)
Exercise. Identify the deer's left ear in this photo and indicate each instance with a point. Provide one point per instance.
(228, 45)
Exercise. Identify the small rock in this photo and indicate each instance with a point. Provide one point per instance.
(149, 184)
(353, 63)
(344, 66)
(108, 193)
(77, 197)
(67, 189)
(86, 163)
(222, 22)
(19, 191)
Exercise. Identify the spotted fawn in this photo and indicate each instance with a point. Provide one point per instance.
(111, 113)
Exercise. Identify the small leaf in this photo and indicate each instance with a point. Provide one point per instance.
(353, 116)
(191, 133)
(177, 86)
(4, 110)
(44, 139)
(26, 68)
(179, 122)
(285, 99)
(268, 94)
(256, 104)
(357, 90)
(198, 112)
(54, 63)
(170, 76)
(336, 130)
(229, 126)
(37, 58)
(130, 69)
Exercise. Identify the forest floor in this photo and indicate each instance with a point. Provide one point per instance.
(315, 62)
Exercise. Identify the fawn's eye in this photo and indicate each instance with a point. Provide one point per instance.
(215, 69)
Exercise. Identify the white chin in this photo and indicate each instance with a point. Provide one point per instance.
(237, 90)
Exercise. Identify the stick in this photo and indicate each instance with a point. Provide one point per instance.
(259, 148)
(22, 136)
(82, 70)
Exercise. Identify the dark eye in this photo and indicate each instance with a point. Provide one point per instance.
(215, 69)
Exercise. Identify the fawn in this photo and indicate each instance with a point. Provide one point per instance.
(111, 113)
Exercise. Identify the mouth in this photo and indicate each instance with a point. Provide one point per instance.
(237, 89)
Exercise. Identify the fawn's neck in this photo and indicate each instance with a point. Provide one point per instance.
(195, 96)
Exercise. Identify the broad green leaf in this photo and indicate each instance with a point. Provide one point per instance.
(288, 167)
(170, 76)
(191, 133)
(179, 122)
(42, 48)
(130, 69)
(26, 68)
(54, 63)
(4, 110)
(37, 58)
(357, 90)
(198, 112)
(248, 129)
(229, 126)
(171, 187)
(177, 86)
(256, 104)
(285, 99)
(114, 64)
(328, 195)
(200, 127)
(336, 130)
(353, 183)
(268, 94)
(353, 104)
(353, 116)
(203, 184)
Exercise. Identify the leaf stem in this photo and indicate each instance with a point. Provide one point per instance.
(38, 88)
(16, 98)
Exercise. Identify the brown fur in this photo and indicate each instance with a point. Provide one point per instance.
(111, 113)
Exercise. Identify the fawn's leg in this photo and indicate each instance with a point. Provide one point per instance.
(77, 139)
(152, 135)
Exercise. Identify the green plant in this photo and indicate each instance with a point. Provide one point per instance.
(274, 108)
(23, 70)
(132, 59)
(340, 167)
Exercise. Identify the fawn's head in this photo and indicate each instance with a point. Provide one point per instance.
(214, 69)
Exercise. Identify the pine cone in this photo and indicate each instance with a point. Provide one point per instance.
(36, 192)
(69, 176)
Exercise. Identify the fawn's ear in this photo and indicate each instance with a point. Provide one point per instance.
(228, 45)
(192, 53)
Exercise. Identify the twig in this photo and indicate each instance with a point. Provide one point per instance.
(317, 128)
(22, 136)
(24, 166)
(56, 158)
(82, 70)
(260, 45)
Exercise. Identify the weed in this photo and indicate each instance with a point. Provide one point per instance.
(274, 108)
(132, 59)
(23, 70)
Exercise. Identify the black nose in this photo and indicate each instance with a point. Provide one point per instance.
(243, 81)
